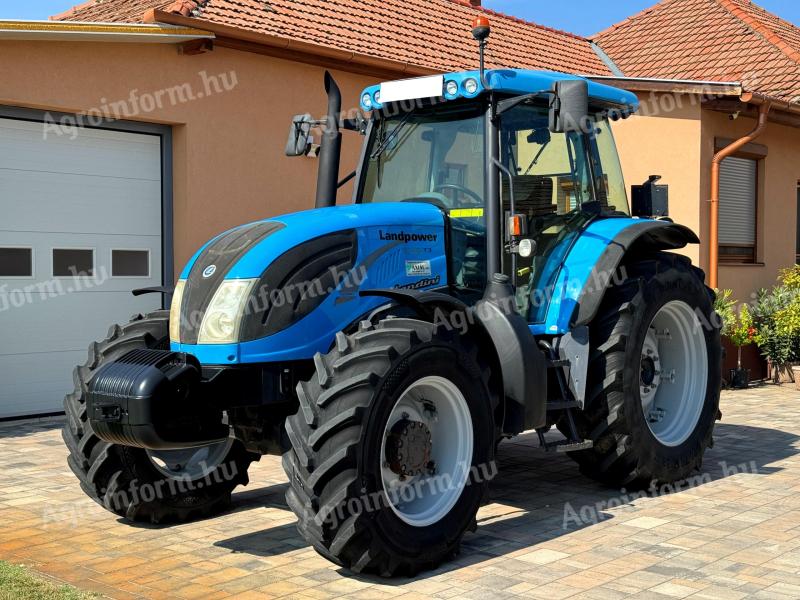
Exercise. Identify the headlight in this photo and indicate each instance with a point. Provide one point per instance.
(451, 88)
(366, 100)
(378, 97)
(175, 312)
(471, 86)
(224, 315)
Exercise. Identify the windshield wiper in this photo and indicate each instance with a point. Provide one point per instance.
(381, 148)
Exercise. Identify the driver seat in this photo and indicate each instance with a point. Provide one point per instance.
(533, 195)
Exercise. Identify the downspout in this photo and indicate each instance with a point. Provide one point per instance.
(713, 251)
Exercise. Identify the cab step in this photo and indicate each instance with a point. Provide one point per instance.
(564, 445)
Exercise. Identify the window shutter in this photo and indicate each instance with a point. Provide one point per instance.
(737, 201)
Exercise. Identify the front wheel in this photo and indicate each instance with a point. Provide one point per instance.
(392, 448)
(144, 485)
(654, 376)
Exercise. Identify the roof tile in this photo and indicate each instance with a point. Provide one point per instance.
(427, 33)
(709, 40)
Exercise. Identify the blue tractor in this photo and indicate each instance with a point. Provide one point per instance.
(487, 280)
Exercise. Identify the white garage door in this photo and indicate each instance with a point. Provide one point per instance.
(80, 227)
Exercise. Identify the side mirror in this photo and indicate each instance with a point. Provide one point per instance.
(299, 135)
(569, 108)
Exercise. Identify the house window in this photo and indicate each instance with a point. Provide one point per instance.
(738, 198)
(16, 262)
(130, 263)
(73, 262)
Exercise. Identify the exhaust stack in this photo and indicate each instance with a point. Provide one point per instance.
(330, 148)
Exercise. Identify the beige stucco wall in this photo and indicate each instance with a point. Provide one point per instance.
(664, 139)
(228, 147)
(674, 137)
(779, 174)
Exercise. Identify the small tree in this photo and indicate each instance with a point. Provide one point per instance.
(742, 332)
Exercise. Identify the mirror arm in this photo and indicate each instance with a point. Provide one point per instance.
(344, 181)
(506, 105)
(359, 124)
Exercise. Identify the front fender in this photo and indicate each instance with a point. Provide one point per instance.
(518, 361)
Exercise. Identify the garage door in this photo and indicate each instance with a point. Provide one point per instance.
(80, 227)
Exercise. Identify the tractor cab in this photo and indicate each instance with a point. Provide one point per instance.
(520, 161)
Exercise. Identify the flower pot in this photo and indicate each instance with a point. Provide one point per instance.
(740, 378)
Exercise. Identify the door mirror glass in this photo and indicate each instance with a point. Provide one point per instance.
(569, 109)
(299, 141)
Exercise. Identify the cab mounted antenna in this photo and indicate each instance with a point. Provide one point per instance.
(481, 29)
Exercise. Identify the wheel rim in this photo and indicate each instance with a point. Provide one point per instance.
(427, 451)
(190, 464)
(673, 373)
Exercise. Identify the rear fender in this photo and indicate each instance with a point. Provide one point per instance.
(650, 235)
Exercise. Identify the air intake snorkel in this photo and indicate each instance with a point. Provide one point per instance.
(330, 148)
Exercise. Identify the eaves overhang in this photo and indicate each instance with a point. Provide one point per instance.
(100, 32)
(673, 86)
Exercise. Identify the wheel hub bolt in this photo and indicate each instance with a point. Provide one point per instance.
(408, 448)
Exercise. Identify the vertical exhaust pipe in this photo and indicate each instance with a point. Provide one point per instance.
(330, 151)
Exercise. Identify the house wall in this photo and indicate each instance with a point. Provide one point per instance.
(229, 166)
(664, 139)
(778, 175)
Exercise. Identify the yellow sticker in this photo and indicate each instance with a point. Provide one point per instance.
(466, 213)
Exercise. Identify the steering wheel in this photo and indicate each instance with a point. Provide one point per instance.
(476, 199)
(438, 200)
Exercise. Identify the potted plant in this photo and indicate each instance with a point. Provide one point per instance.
(741, 333)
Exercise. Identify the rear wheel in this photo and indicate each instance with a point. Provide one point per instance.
(146, 485)
(654, 376)
(392, 448)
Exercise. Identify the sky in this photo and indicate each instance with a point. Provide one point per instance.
(578, 16)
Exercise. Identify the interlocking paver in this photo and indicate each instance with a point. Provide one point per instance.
(735, 533)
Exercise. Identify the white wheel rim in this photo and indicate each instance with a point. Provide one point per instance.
(673, 374)
(190, 464)
(426, 498)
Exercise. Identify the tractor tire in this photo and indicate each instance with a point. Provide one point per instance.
(351, 415)
(650, 422)
(128, 481)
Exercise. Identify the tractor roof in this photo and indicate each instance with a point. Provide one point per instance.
(467, 84)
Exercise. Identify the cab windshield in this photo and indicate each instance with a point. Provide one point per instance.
(434, 156)
(438, 155)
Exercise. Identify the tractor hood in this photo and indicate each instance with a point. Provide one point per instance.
(297, 277)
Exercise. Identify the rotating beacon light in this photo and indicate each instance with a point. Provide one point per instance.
(481, 29)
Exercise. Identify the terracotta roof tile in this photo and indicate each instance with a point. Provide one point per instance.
(716, 40)
(111, 11)
(428, 33)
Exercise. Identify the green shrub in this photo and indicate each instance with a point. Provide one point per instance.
(725, 306)
(776, 316)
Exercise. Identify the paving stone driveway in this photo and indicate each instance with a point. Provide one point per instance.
(548, 532)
